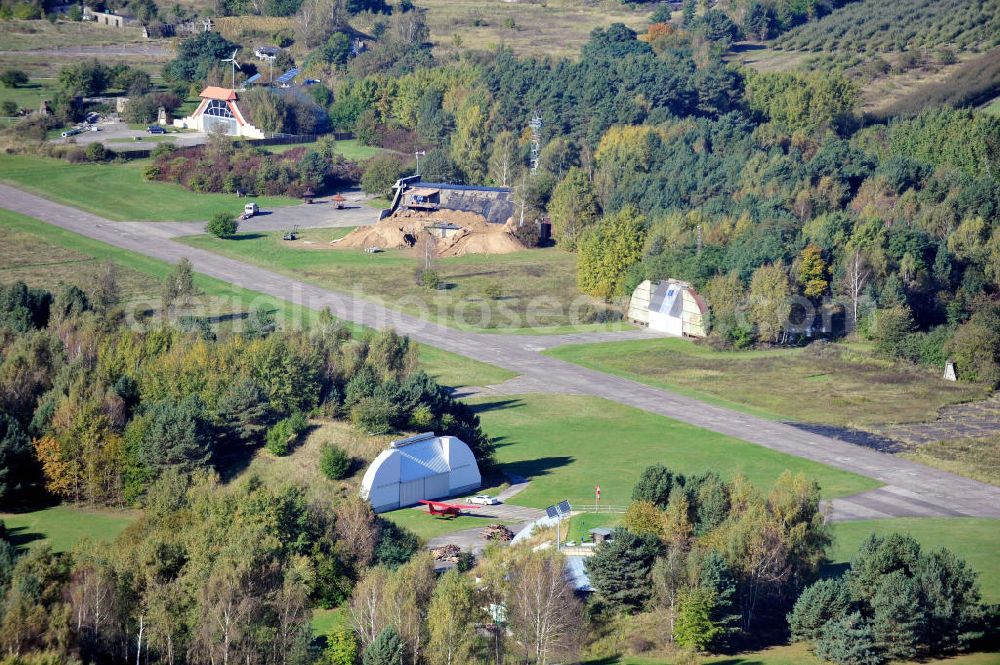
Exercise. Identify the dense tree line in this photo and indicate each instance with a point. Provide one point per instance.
(717, 563)
(97, 412)
(223, 167)
(208, 574)
(756, 188)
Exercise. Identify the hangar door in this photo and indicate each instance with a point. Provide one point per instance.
(429, 487)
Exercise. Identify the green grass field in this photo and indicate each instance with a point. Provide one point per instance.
(525, 278)
(568, 444)
(974, 540)
(456, 371)
(350, 149)
(324, 621)
(118, 191)
(428, 526)
(842, 385)
(62, 527)
(29, 96)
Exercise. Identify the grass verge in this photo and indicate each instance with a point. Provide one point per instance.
(838, 384)
(61, 527)
(537, 288)
(119, 192)
(565, 445)
(977, 458)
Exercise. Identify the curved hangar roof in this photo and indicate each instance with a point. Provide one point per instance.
(421, 467)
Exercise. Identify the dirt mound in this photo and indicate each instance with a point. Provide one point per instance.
(474, 236)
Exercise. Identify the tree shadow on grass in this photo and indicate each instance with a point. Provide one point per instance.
(536, 468)
(246, 236)
(496, 405)
(20, 537)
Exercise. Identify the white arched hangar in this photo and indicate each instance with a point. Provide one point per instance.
(422, 467)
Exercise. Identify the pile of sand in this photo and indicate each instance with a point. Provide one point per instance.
(403, 229)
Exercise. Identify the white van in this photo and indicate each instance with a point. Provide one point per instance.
(250, 209)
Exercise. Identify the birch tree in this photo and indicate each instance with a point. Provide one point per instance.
(544, 614)
(856, 279)
(450, 620)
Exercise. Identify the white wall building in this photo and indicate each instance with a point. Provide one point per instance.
(422, 467)
(219, 110)
(671, 306)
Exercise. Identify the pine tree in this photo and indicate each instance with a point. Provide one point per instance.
(654, 485)
(385, 649)
(848, 641)
(818, 604)
(620, 569)
(897, 616)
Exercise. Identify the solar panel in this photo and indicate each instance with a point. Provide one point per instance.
(253, 79)
(288, 76)
(564, 508)
(551, 512)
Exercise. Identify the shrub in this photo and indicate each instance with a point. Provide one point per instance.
(430, 279)
(96, 152)
(380, 174)
(285, 432)
(13, 78)
(8, 108)
(222, 225)
(466, 561)
(334, 463)
(494, 291)
(373, 415)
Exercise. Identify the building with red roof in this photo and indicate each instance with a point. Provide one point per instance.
(219, 110)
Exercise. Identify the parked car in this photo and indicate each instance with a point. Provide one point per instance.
(156, 129)
(484, 500)
(250, 209)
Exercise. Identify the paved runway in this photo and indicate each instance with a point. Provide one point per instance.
(910, 489)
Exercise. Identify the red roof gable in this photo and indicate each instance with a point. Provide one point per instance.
(215, 92)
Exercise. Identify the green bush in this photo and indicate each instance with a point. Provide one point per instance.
(380, 174)
(96, 152)
(222, 225)
(8, 108)
(373, 415)
(285, 432)
(430, 279)
(12, 78)
(334, 462)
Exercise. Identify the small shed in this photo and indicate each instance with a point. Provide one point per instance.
(600, 534)
(670, 306)
(338, 200)
(422, 467)
(443, 229)
(422, 198)
(308, 195)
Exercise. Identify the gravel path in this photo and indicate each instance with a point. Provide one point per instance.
(910, 488)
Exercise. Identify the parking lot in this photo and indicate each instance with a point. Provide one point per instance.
(120, 137)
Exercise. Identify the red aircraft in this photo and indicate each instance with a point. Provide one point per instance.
(447, 509)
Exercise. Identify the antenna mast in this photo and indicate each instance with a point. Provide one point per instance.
(536, 141)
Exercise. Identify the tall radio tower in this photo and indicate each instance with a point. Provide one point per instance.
(536, 141)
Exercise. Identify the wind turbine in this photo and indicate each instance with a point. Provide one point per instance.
(236, 65)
